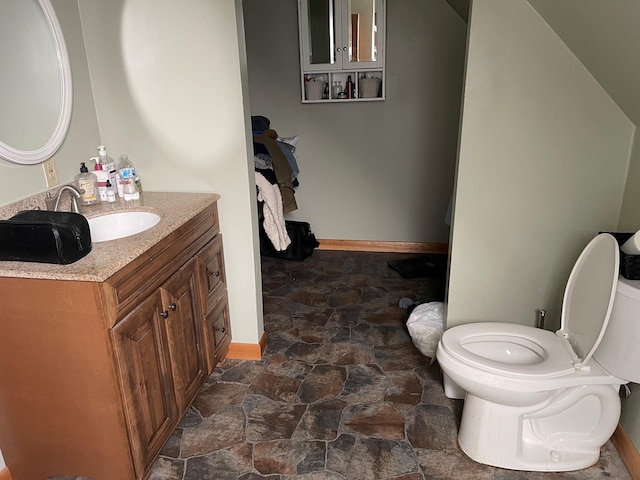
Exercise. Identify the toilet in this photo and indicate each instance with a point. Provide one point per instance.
(535, 400)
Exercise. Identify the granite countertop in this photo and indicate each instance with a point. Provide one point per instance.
(106, 258)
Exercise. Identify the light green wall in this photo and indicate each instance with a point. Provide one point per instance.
(20, 181)
(543, 161)
(168, 85)
(542, 165)
(369, 171)
(630, 214)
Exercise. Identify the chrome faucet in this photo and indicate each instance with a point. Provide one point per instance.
(74, 194)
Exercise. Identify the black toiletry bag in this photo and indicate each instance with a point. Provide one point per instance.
(45, 237)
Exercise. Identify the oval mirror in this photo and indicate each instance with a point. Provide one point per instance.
(35, 85)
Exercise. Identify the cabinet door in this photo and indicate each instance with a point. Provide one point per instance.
(341, 34)
(142, 357)
(183, 322)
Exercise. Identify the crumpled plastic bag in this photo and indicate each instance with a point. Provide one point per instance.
(425, 325)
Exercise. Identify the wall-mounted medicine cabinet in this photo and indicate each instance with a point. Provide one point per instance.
(341, 40)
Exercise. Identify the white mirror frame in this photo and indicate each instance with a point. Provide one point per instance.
(39, 155)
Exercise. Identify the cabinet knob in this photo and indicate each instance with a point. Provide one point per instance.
(215, 274)
(172, 307)
(222, 329)
(164, 314)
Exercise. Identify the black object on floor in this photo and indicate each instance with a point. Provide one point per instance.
(427, 265)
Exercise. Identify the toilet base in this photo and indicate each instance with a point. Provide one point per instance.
(514, 437)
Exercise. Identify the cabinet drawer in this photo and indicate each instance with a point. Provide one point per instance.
(211, 268)
(218, 330)
(141, 277)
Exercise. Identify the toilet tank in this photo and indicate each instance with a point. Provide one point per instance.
(619, 350)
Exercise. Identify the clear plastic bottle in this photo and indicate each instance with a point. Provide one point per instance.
(126, 171)
(88, 184)
(127, 178)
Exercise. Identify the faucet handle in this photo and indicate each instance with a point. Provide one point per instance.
(50, 201)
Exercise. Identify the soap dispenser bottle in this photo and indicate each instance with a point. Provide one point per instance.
(88, 184)
(108, 165)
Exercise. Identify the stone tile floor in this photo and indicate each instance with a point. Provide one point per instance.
(341, 392)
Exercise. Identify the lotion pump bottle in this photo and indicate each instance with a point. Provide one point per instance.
(108, 165)
(88, 184)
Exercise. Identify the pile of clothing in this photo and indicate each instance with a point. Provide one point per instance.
(276, 172)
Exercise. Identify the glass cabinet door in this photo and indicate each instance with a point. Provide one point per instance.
(361, 31)
(341, 34)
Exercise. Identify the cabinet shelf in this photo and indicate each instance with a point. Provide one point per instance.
(338, 39)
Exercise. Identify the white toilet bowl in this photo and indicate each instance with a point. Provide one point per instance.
(540, 401)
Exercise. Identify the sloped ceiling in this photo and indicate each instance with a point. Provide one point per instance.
(461, 7)
(605, 36)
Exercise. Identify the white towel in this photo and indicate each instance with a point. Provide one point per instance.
(274, 225)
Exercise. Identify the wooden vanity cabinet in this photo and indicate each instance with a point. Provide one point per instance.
(95, 376)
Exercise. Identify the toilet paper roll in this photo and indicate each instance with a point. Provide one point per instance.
(632, 246)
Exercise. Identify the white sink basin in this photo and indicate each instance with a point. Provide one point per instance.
(120, 225)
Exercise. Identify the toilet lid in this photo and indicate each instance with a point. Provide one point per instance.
(588, 297)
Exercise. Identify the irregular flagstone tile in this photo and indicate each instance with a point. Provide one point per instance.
(501, 474)
(167, 469)
(321, 421)
(410, 476)
(378, 297)
(378, 420)
(257, 476)
(326, 475)
(370, 458)
(431, 427)
(430, 372)
(275, 322)
(433, 394)
(219, 431)
(440, 464)
(221, 465)
(307, 352)
(311, 299)
(393, 316)
(243, 372)
(272, 304)
(275, 280)
(218, 396)
(275, 387)
(278, 342)
(379, 335)
(289, 458)
(172, 447)
(399, 357)
(404, 391)
(349, 353)
(344, 296)
(278, 364)
(269, 420)
(364, 384)
(322, 383)
(191, 418)
(348, 316)
(306, 317)
(325, 334)
(358, 280)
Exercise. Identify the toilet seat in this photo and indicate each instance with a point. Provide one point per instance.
(548, 357)
(586, 308)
